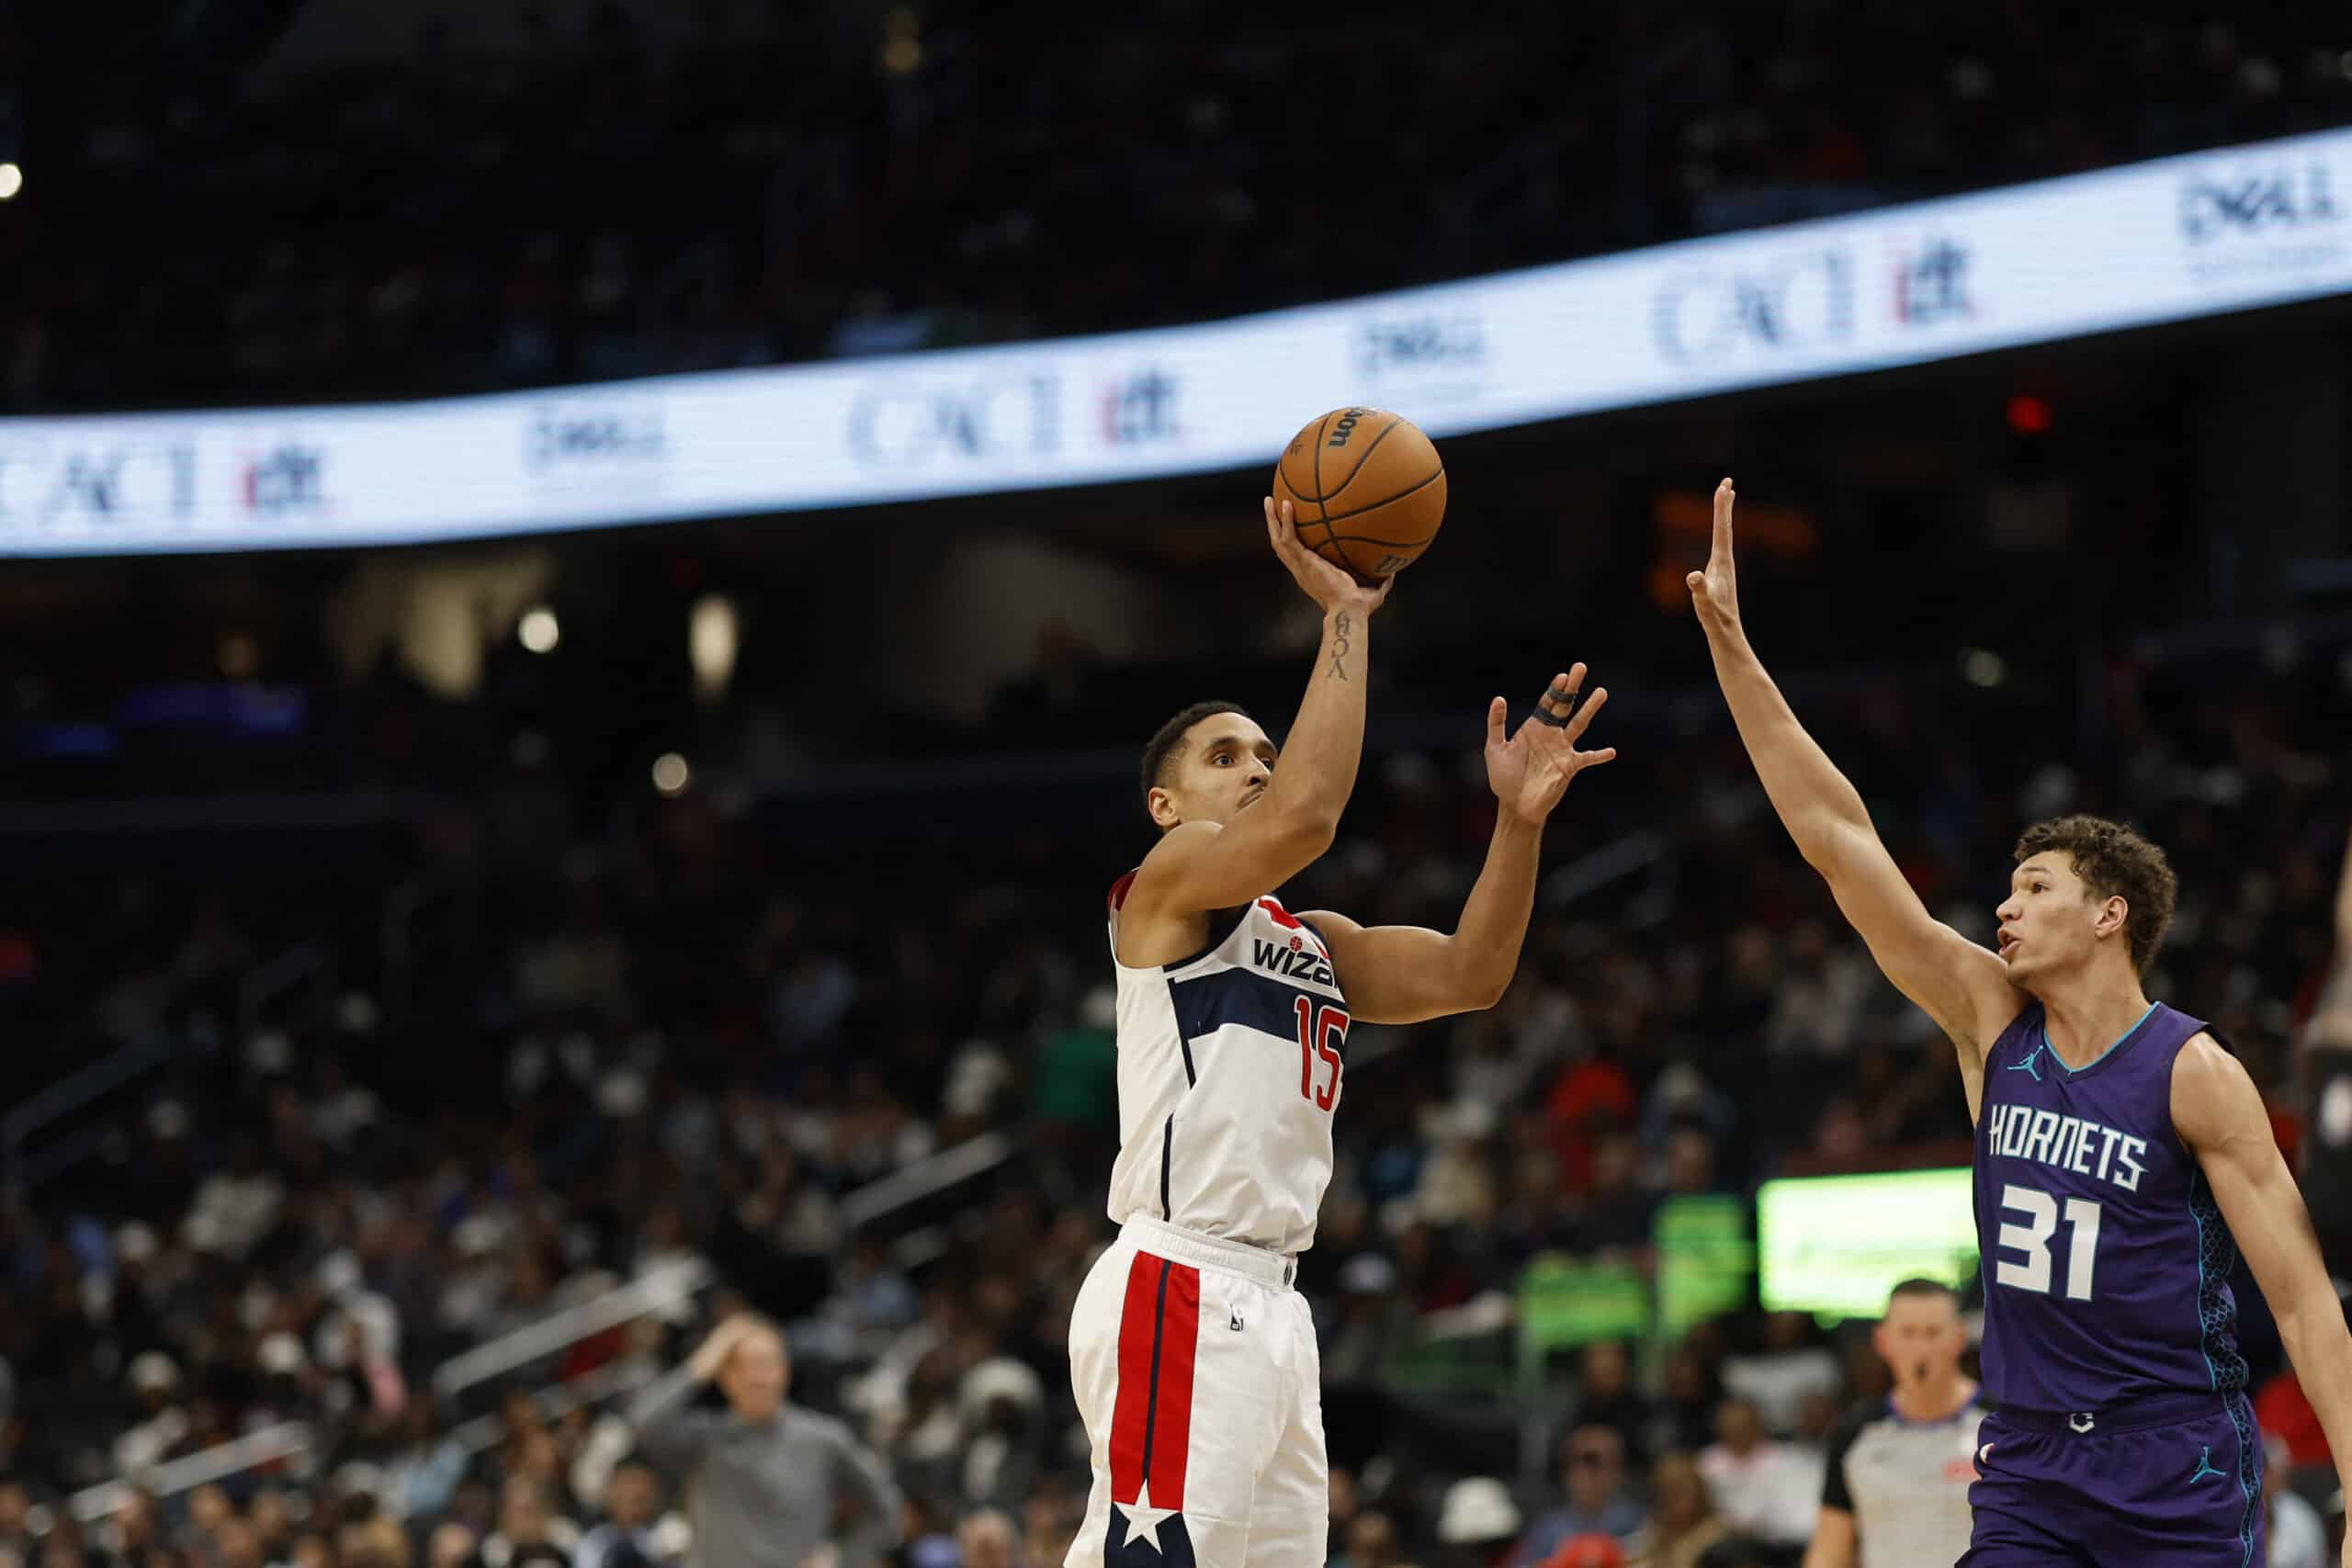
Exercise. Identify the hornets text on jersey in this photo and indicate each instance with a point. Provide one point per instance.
(2107, 1260)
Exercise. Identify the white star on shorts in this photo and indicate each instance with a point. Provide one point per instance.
(1143, 1519)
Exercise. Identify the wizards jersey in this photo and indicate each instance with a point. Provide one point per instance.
(1229, 1069)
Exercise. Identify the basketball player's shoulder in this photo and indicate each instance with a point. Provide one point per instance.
(2213, 1094)
(2206, 1061)
(1177, 842)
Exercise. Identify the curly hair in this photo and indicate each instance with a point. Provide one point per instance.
(2114, 863)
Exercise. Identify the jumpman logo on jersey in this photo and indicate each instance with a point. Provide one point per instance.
(2032, 1063)
(2204, 1465)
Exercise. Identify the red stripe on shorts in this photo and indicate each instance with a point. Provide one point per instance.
(1171, 1440)
(1152, 1423)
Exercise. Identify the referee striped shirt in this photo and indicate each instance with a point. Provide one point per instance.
(1905, 1482)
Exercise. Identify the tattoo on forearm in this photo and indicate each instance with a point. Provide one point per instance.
(1341, 627)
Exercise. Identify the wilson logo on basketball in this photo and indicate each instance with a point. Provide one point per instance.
(1346, 427)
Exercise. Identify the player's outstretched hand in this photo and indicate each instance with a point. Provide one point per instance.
(1714, 592)
(1327, 584)
(1530, 772)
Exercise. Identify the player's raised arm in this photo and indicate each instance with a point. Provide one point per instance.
(1208, 865)
(1406, 974)
(1963, 987)
(2330, 1023)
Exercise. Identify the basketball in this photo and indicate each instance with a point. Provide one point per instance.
(1366, 488)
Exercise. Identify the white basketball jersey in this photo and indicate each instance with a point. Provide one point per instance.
(1230, 1068)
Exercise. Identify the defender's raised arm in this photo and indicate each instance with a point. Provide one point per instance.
(1963, 986)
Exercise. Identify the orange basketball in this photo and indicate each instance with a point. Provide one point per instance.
(1366, 489)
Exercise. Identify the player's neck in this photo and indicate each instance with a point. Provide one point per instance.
(1936, 1400)
(2085, 1017)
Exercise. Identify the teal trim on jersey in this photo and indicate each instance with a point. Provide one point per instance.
(2103, 1056)
(2249, 1453)
(2197, 1174)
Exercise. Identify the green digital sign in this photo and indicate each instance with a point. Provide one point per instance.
(1836, 1245)
(1705, 1263)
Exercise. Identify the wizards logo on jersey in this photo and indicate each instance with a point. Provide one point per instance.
(1151, 1426)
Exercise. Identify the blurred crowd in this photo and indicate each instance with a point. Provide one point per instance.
(579, 190)
(693, 1044)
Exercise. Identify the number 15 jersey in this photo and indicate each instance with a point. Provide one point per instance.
(1229, 1069)
(2106, 1261)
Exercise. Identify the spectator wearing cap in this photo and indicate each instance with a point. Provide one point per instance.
(762, 1480)
(155, 1382)
(1001, 1400)
(1592, 1468)
(1476, 1524)
(1683, 1525)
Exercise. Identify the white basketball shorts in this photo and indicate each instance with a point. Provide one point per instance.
(1195, 1368)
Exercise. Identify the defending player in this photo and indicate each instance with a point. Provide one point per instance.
(1192, 1358)
(2123, 1157)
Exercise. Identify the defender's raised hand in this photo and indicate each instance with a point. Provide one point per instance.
(1530, 772)
(1327, 584)
(1714, 592)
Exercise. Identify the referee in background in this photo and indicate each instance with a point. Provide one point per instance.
(761, 1477)
(1896, 1488)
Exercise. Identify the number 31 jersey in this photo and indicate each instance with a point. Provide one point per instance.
(1229, 1069)
(2106, 1261)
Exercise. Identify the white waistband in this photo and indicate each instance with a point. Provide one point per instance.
(1165, 1240)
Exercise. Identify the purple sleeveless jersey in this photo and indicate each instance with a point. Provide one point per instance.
(2106, 1259)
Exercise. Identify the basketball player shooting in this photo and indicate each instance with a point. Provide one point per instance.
(1192, 1358)
(2123, 1157)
